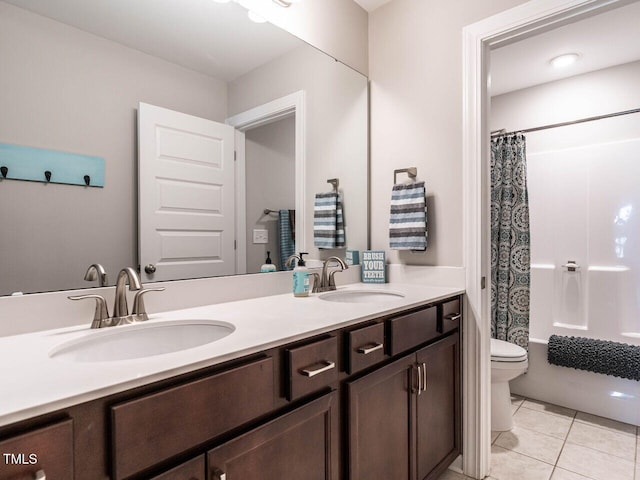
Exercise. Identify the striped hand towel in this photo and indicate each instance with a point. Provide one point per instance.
(328, 221)
(287, 245)
(408, 221)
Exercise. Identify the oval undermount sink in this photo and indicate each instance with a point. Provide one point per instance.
(362, 296)
(141, 340)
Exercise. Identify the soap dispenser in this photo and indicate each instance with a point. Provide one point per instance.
(301, 277)
(268, 265)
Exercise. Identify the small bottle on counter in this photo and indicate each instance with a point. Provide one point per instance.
(268, 265)
(301, 278)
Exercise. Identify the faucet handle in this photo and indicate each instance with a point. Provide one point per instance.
(101, 315)
(139, 311)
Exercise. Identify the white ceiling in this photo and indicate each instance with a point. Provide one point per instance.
(212, 38)
(371, 5)
(606, 40)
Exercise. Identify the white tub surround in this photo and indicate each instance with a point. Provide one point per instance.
(40, 384)
(589, 392)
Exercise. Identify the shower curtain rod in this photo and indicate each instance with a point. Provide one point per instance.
(497, 133)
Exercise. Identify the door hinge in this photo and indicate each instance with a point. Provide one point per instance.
(483, 283)
(235, 244)
(235, 156)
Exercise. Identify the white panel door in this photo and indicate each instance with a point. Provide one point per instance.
(186, 195)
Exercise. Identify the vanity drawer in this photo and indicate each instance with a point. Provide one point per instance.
(411, 330)
(311, 367)
(365, 347)
(451, 316)
(191, 470)
(155, 427)
(48, 449)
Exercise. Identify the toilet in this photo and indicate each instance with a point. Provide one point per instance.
(508, 361)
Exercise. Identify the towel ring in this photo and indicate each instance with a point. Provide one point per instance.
(411, 171)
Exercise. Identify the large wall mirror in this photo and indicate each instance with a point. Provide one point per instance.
(74, 76)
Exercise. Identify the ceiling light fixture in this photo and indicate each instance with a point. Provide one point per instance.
(564, 60)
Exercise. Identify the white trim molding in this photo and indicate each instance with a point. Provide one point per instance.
(292, 104)
(531, 18)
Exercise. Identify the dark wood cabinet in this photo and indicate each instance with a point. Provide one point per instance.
(379, 407)
(191, 470)
(404, 418)
(45, 451)
(299, 445)
(438, 408)
(375, 400)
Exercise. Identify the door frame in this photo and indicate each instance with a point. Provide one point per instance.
(278, 109)
(478, 39)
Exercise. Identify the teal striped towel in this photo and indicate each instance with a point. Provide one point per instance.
(287, 244)
(408, 221)
(328, 221)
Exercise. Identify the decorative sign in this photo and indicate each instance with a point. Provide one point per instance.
(352, 257)
(373, 266)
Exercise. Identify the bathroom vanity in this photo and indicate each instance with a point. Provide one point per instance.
(339, 390)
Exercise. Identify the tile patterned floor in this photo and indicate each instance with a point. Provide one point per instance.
(549, 442)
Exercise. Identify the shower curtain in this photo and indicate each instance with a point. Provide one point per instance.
(510, 240)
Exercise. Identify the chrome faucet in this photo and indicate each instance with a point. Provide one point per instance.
(327, 281)
(120, 308)
(96, 272)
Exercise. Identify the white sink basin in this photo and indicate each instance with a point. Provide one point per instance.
(141, 340)
(362, 296)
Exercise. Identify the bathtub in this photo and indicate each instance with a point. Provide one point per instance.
(588, 392)
(592, 302)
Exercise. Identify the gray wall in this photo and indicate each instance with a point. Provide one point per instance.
(415, 68)
(64, 89)
(270, 183)
(336, 130)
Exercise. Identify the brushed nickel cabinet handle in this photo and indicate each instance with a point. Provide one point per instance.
(219, 474)
(453, 317)
(424, 372)
(312, 373)
(367, 350)
(420, 377)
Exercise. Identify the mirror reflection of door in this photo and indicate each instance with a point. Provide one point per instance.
(270, 185)
(186, 196)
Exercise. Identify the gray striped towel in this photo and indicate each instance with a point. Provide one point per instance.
(408, 220)
(328, 221)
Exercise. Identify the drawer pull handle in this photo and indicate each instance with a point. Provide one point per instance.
(312, 373)
(40, 475)
(420, 377)
(424, 372)
(219, 474)
(367, 350)
(453, 317)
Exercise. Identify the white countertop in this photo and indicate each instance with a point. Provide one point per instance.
(34, 384)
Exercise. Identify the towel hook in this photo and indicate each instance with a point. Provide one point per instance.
(87, 180)
(334, 182)
(411, 171)
(4, 170)
(47, 175)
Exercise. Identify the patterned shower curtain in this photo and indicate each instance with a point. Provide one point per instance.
(510, 240)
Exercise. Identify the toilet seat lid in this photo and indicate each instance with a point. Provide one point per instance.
(502, 351)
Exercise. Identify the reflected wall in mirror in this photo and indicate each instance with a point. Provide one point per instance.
(75, 73)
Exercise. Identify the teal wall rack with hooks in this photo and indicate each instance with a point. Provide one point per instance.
(32, 164)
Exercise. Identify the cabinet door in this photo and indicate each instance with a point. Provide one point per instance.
(47, 450)
(380, 423)
(438, 407)
(299, 445)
